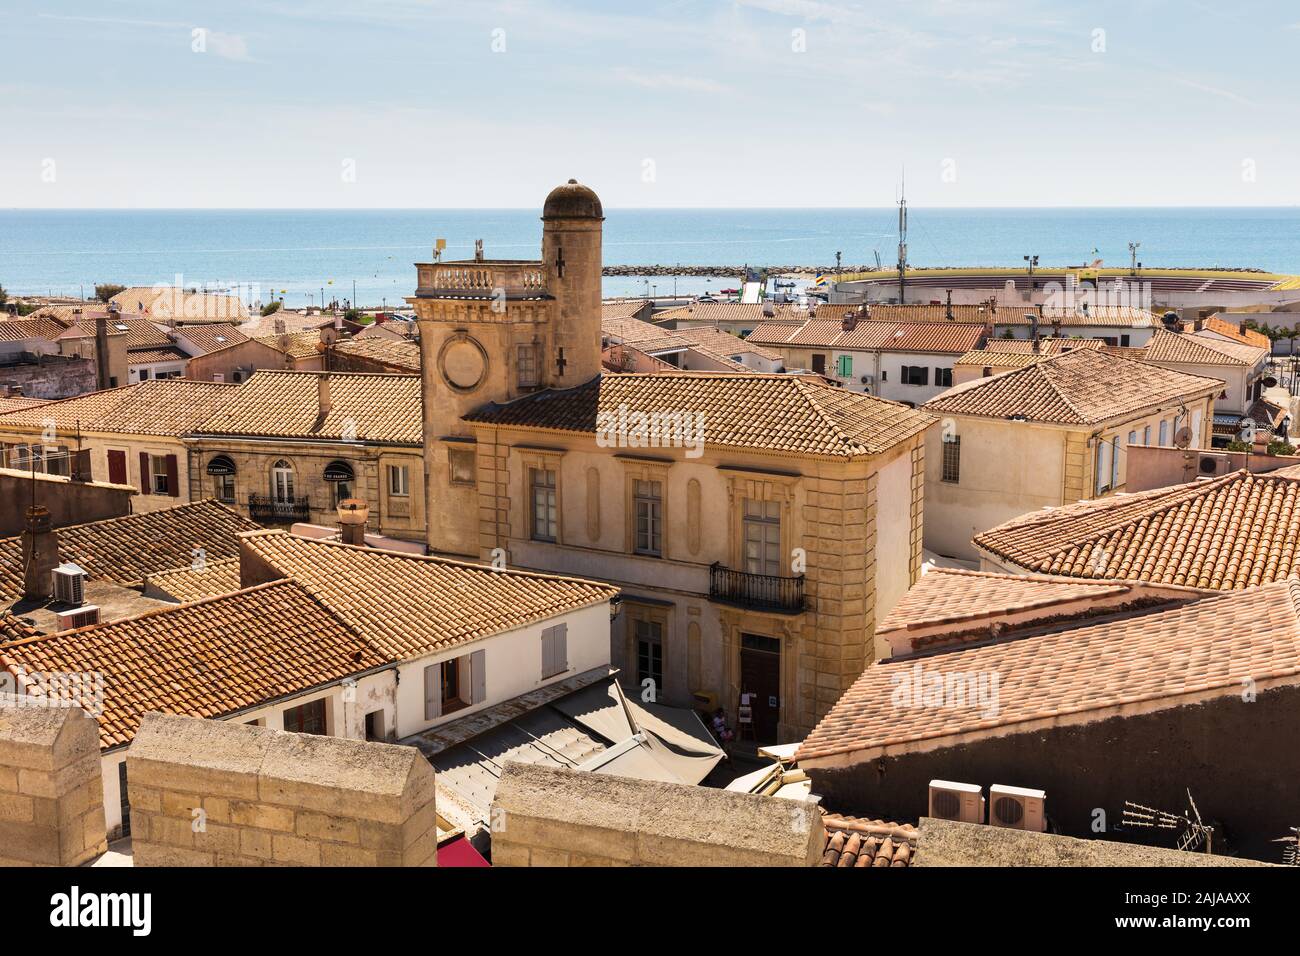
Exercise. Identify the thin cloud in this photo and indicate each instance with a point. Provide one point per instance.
(671, 81)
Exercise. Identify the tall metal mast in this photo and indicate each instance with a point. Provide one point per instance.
(902, 241)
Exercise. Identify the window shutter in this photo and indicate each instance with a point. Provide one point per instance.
(117, 467)
(477, 678)
(144, 473)
(548, 652)
(433, 691)
(560, 644)
(173, 477)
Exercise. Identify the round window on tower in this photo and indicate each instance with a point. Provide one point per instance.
(463, 362)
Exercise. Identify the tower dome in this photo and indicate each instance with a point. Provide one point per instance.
(572, 201)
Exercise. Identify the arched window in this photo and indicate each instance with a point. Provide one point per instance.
(222, 470)
(341, 476)
(282, 482)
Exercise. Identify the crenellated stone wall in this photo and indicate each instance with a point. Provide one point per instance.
(217, 793)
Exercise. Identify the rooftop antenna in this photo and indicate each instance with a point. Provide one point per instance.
(1133, 256)
(902, 238)
(1193, 833)
(1291, 852)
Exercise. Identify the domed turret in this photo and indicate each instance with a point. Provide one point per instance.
(572, 201)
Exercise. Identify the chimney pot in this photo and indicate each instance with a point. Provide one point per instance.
(323, 393)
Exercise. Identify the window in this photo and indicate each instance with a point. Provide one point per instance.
(762, 537)
(143, 374)
(555, 650)
(158, 475)
(943, 377)
(916, 375)
(819, 363)
(1146, 434)
(952, 458)
(650, 655)
(1164, 434)
(461, 464)
(399, 481)
(1132, 438)
(1103, 465)
(648, 507)
(308, 718)
(526, 373)
(282, 482)
(884, 375)
(455, 684)
(844, 366)
(544, 504)
(1124, 340)
(226, 489)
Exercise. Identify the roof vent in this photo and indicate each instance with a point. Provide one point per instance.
(78, 617)
(962, 802)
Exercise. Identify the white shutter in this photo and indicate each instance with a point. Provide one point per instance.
(477, 677)
(433, 691)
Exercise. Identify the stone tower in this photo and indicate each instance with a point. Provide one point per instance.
(492, 330)
(571, 237)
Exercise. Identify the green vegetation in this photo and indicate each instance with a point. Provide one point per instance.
(4, 296)
(1280, 446)
(271, 307)
(352, 315)
(106, 290)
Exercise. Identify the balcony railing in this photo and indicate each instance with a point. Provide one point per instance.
(763, 592)
(481, 278)
(267, 510)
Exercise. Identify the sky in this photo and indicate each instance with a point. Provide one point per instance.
(658, 103)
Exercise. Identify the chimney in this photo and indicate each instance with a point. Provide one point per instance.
(40, 554)
(947, 312)
(353, 514)
(323, 393)
(102, 378)
(1033, 328)
(850, 321)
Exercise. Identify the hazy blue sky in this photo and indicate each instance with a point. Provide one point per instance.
(401, 103)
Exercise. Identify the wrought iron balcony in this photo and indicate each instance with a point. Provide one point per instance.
(267, 510)
(761, 592)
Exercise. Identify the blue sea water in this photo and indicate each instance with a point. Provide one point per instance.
(303, 251)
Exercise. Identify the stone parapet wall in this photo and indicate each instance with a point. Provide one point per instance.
(216, 793)
(545, 816)
(51, 788)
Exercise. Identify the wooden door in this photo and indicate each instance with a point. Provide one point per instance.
(760, 675)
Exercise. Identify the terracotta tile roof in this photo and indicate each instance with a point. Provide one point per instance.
(197, 581)
(263, 326)
(297, 345)
(1144, 662)
(1191, 349)
(148, 356)
(394, 355)
(1080, 387)
(851, 842)
(775, 331)
(622, 309)
(716, 342)
(15, 330)
(1047, 345)
(954, 595)
(941, 337)
(1000, 360)
(125, 550)
(1238, 334)
(1229, 533)
(19, 402)
(210, 338)
(170, 406)
(775, 412)
(170, 302)
(208, 659)
(14, 628)
(366, 406)
(714, 312)
(644, 336)
(413, 605)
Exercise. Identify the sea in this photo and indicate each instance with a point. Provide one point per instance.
(366, 256)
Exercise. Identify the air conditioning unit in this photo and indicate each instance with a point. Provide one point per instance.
(1212, 466)
(962, 802)
(1017, 808)
(69, 584)
(868, 379)
(78, 617)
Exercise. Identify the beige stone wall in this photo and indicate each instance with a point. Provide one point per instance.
(51, 792)
(215, 793)
(545, 816)
(246, 356)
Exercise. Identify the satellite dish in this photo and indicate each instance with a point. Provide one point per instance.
(1183, 437)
